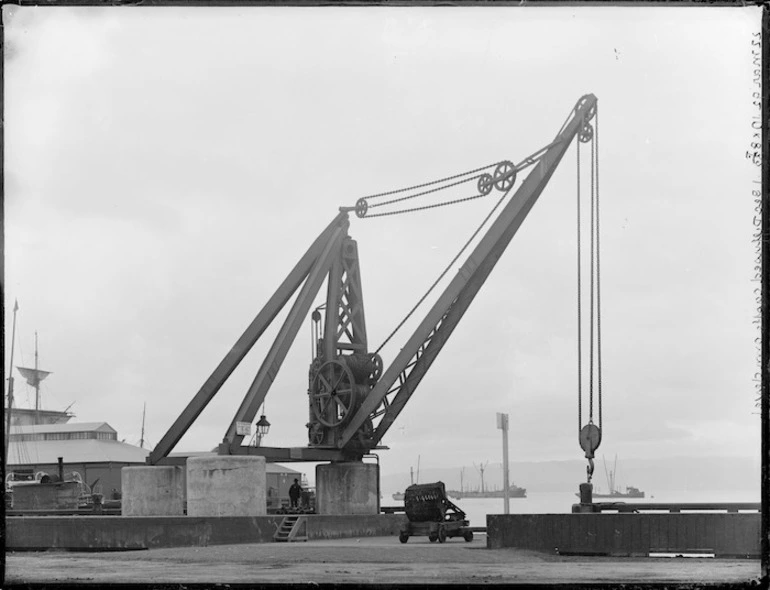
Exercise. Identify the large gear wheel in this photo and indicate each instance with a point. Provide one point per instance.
(333, 394)
(505, 175)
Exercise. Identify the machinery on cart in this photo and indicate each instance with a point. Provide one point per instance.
(431, 513)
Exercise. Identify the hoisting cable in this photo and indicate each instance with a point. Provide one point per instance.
(590, 435)
(598, 276)
(502, 179)
(443, 273)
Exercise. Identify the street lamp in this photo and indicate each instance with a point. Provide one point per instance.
(263, 426)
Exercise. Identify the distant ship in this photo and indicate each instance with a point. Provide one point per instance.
(631, 491)
(514, 491)
(398, 496)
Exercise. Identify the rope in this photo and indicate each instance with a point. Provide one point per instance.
(441, 276)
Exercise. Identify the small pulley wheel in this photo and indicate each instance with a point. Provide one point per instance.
(485, 184)
(590, 439)
(316, 434)
(361, 207)
(333, 394)
(586, 133)
(505, 175)
(376, 373)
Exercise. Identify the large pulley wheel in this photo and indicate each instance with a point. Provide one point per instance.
(505, 176)
(333, 394)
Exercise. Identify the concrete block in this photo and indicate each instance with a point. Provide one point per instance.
(153, 491)
(226, 485)
(347, 488)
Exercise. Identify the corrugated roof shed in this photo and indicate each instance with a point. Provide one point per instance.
(74, 451)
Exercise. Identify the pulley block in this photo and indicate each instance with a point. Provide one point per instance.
(505, 175)
(485, 184)
(590, 439)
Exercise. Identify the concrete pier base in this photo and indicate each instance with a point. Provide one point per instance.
(225, 485)
(153, 491)
(347, 488)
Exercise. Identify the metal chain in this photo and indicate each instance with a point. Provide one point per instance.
(425, 207)
(443, 273)
(598, 274)
(591, 314)
(401, 190)
(433, 190)
(579, 304)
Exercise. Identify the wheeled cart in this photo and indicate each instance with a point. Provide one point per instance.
(431, 513)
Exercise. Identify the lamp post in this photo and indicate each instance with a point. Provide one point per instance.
(502, 424)
(263, 427)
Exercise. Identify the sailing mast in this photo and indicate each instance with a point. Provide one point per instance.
(34, 377)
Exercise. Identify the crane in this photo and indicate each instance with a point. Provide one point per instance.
(353, 397)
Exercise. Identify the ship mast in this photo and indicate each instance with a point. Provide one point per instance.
(34, 377)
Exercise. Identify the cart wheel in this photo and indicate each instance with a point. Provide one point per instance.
(403, 537)
(441, 535)
(433, 537)
(468, 536)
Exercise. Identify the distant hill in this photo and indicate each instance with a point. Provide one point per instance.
(670, 473)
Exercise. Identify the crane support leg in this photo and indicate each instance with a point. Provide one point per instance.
(244, 344)
(272, 363)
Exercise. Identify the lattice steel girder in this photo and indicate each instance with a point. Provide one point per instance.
(463, 288)
(245, 342)
(275, 357)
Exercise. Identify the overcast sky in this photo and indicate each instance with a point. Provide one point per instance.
(166, 167)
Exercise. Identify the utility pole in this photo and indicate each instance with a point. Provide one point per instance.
(502, 424)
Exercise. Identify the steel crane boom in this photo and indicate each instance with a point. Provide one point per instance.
(399, 381)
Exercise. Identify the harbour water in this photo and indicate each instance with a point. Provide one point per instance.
(476, 509)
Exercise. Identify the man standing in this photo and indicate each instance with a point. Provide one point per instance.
(295, 491)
